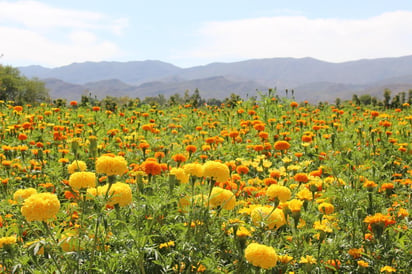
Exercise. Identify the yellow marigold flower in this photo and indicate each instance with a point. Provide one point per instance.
(7, 241)
(119, 193)
(82, 179)
(109, 165)
(268, 216)
(362, 263)
(326, 208)
(295, 205)
(40, 207)
(305, 194)
(284, 259)
(22, 194)
(356, 253)
(261, 255)
(369, 185)
(243, 232)
(180, 174)
(76, 166)
(323, 225)
(307, 260)
(277, 191)
(167, 244)
(388, 269)
(194, 169)
(218, 171)
(222, 197)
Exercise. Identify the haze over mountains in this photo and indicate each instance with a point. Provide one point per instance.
(311, 79)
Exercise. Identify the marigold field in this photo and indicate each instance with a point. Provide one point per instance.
(265, 186)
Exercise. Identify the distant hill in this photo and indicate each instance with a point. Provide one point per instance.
(311, 79)
(213, 87)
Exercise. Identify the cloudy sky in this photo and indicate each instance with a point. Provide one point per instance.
(190, 33)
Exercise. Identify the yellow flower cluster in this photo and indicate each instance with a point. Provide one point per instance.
(40, 207)
(269, 216)
(119, 193)
(7, 241)
(82, 179)
(261, 255)
(109, 165)
(22, 194)
(222, 197)
(75, 166)
(218, 171)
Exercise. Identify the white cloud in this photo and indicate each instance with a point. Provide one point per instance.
(36, 33)
(332, 40)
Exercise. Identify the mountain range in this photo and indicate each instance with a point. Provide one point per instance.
(311, 79)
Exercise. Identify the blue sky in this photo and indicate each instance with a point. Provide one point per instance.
(190, 33)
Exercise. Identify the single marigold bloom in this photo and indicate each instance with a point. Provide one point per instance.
(356, 253)
(326, 208)
(194, 169)
(180, 174)
(261, 255)
(306, 138)
(269, 181)
(119, 193)
(281, 145)
(22, 137)
(82, 179)
(76, 166)
(109, 165)
(369, 185)
(323, 226)
(151, 168)
(294, 104)
(40, 207)
(191, 148)
(73, 103)
(218, 171)
(362, 263)
(95, 108)
(374, 113)
(295, 205)
(179, 158)
(159, 155)
(307, 260)
(266, 215)
(7, 241)
(388, 269)
(280, 192)
(242, 169)
(222, 197)
(301, 177)
(22, 194)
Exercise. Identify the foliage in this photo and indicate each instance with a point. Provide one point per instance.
(15, 87)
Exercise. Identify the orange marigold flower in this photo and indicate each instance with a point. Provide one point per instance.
(281, 145)
(191, 148)
(301, 177)
(294, 104)
(306, 138)
(242, 169)
(151, 168)
(179, 158)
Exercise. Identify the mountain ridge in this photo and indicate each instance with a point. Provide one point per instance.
(307, 76)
